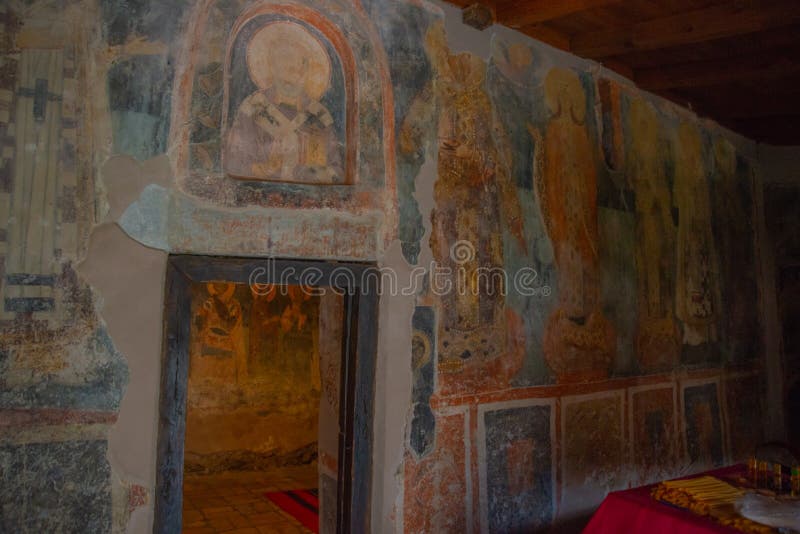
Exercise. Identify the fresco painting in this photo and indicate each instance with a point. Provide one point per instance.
(654, 436)
(593, 448)
(514, 87)
(141, 124)
(518, 477)
(317, 129)
(283, 130)
(657, 331)
(469, 217)
(255, 383)
(743, 398)
(703, 426)
(579, 341)
(697, 290)
(415, 110)
(288, 106)
(619, 284)
(44, 469)
(57, 358)
(472, 189)
(734, 235)
(423, 355)
(437, 486)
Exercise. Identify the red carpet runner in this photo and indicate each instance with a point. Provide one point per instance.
(303, 505)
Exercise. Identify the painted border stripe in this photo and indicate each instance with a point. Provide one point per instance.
(23, 279)
(29, 304)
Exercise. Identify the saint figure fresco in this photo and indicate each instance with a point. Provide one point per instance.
(696, 295)
(657, 336)
(283, 131)
(472, 191)
(218, 338)
(579, 339)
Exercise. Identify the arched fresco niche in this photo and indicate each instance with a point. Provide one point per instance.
(288, 106)
(286, 113)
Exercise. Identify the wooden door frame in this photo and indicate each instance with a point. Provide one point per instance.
(358, 282)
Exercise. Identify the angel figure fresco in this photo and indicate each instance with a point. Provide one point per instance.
(579, 340)
(283, 131)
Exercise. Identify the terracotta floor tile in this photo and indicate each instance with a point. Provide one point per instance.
(217, 510)
(191, 516)
(240, 521)
(266, 519)
(236, 502)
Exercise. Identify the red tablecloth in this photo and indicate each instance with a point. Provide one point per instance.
(634, 510)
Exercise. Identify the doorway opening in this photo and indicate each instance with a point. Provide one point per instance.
(266, 396)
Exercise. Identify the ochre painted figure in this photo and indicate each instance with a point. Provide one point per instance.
(471, 193)
(579, 341)
(218, 334)
(696, 285)
(467, 172)
(282, 131)
(657, 333)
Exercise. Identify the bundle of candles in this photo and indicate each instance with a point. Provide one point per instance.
(708, 496)
(699, 494)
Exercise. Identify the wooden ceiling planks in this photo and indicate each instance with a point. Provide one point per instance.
(696, 26)
(735, 61)
(520, 13)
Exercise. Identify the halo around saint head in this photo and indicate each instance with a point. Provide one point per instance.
(289, 38)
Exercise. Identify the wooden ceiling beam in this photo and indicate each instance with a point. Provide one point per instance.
(547, 35)
(772, 130)
(619, 67)
(718, 72)
(765, 42)
(696, 26)
(520, 13)
(744, 105)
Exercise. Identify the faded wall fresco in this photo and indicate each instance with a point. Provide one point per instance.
(703, 425)
(600, 242)
(517, 475)
(782, 219)
(254, 378)
(654, 431)
(635, 326)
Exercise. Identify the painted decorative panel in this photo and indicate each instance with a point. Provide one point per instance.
(593, 449)
(744, 408)
(437, 497)
(654, 431)
(254, 386)
(702, 424)
(287, 107)
(516, 462)
(423, 354)
(55, 487)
